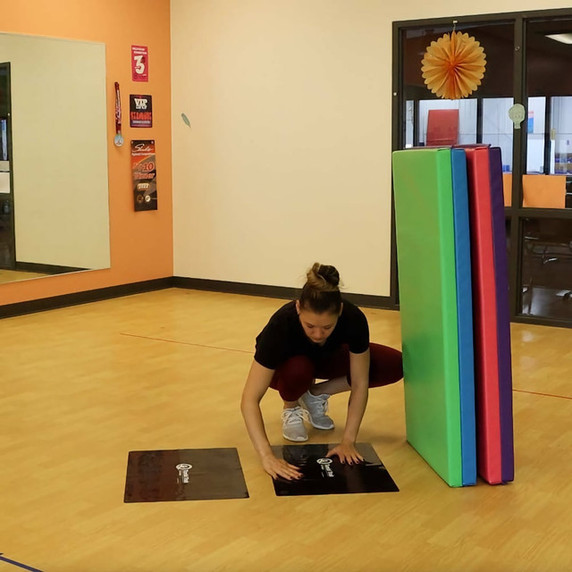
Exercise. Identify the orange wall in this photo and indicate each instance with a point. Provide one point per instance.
(141, 243)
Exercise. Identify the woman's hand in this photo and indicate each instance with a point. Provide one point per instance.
(347, 453)
(280, 468)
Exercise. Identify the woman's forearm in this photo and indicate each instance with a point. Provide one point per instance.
(356, 410)
(255, 427)
(257, 383)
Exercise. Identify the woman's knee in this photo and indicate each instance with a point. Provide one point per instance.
(294, 377)
(386, 365)
(297, 369)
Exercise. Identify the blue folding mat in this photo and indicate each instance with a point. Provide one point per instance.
(432, 241)
(464, 314)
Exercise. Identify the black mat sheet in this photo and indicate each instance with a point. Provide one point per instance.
(184, 474)
(324, 476)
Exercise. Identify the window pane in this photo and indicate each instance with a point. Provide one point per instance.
(480, 118)
(561, 135)
(447, 122)
(547, 268)
(535, 127)
(548, 179)
(409, 124)
(497, 127)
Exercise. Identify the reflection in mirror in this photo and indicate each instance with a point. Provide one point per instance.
(54, 211)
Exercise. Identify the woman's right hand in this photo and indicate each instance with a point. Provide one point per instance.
(257, 383)
(280, 468)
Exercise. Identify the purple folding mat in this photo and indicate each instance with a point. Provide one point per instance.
(503, 315)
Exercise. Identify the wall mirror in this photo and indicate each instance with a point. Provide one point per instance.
(54, 203)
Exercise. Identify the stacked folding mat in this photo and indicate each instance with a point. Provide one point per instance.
(453, 287)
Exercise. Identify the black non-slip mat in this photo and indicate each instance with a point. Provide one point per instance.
(184, 474)
(324, 476)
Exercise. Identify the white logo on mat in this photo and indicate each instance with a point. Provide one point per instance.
(325, 466)
(184, 469)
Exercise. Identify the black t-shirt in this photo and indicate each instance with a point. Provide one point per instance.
(284, 337)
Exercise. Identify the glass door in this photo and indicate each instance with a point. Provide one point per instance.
(546, 208)
(480, 118)
(528, 59)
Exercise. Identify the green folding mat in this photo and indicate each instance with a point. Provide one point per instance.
(428, 306)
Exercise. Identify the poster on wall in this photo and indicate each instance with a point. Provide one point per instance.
(139, 63)
(140, 111)
(144, 174)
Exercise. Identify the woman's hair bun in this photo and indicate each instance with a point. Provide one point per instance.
(323, 277)
(321, 292)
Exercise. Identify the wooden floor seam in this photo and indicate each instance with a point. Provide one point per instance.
(542, 394)
(186, 343)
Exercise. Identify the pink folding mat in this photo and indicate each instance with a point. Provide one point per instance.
(489, 451)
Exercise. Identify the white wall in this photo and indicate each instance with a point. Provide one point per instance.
(288, 157)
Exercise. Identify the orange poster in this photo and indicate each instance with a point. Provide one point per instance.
(144, 174)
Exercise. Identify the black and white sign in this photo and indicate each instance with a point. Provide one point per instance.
(324, 475)
(140, 111)
(184, 474)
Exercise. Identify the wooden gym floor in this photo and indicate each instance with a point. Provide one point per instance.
(83, 386)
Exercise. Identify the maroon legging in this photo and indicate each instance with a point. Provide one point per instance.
(295, 376)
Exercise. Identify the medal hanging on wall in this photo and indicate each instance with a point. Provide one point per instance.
(118, 139)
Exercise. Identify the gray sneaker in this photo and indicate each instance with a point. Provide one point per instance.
(293, 424)
(316, 406)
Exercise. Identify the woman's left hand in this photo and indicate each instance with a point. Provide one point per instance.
(347, 453)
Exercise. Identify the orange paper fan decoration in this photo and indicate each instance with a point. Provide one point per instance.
(454, 65)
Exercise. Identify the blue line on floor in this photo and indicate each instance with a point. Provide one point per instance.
(4, 559)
